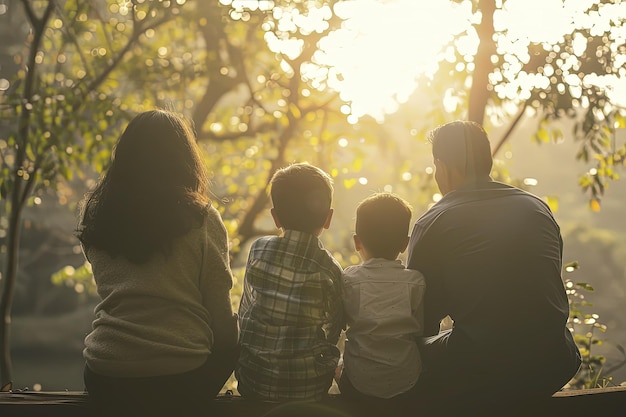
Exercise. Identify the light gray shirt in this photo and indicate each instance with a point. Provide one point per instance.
(384, 311)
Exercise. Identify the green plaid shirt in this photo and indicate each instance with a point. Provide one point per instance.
(291, 315)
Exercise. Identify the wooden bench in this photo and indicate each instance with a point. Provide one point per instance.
(606, 402)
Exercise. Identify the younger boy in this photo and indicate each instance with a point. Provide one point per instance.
(383, 302)
(291, 314)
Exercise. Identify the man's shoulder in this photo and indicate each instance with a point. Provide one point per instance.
(492, 191)
(431, 215)
(512, 190)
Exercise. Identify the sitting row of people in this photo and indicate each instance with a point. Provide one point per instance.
(165, 337)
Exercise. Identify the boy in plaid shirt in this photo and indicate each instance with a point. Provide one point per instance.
(291, 313)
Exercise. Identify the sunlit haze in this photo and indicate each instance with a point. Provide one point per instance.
(383, 46)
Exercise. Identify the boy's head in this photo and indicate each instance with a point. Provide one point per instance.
(301, 197)
(382, 225)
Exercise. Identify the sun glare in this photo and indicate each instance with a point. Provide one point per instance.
(383, 46)
(536, 20)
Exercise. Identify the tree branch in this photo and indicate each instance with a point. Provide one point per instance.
(118, 58)
(211, 136)
(30, 13)
(321, 106)
(509, 131)
(219, 84)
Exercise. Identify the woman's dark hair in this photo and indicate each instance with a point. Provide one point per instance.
(155, 189)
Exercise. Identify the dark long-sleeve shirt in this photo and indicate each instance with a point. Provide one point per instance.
(492, 256)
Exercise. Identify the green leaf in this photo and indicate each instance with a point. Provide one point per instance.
(543, 135)
(553, 203)
(584, 286)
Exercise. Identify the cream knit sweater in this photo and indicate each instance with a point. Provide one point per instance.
(165, 316)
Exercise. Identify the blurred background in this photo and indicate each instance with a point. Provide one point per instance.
(351, 86)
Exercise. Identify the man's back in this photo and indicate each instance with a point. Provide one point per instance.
(491, 256)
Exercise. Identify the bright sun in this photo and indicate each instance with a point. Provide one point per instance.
(384, 46)
(375, 60)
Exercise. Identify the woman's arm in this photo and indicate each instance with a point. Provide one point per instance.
(217, 283)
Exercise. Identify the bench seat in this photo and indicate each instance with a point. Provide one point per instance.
(605, 402)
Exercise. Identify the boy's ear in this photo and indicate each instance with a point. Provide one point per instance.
(329, 217)
(275, 217)
(405, 244)
(357, 243)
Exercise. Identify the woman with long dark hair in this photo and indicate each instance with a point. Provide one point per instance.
(165, 337)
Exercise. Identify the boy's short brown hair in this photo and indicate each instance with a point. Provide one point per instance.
(382, 224)
(301, 195)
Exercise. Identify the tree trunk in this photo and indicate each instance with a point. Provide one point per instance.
(480, 90)
(21, 188)
(510, 129)
(6, 302)
(247, 230)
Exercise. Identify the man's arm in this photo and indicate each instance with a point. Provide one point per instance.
(423, 257)
(433, 313)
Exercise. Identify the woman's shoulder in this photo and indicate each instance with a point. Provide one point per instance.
(213, 226)
(212, 217)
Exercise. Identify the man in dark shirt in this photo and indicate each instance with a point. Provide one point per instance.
(491, 255)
